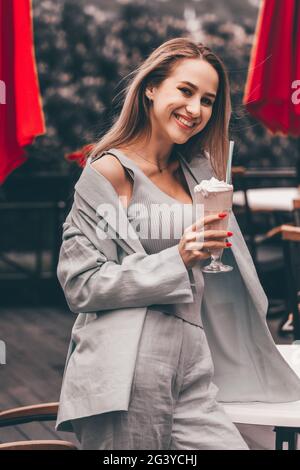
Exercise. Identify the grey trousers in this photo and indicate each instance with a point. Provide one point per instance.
(173, 402)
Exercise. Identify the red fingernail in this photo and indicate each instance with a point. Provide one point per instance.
(222, 215)
(229, 234)
(228, 244)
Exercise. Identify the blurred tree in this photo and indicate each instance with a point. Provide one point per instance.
(85, 48)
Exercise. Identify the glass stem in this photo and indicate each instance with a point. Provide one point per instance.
(215, 260)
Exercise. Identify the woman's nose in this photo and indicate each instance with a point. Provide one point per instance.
(194, 108)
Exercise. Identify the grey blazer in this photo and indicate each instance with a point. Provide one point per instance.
(109, 280)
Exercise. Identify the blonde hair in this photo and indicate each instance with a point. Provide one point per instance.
(134, 119)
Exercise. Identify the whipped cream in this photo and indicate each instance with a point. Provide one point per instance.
(211, 186)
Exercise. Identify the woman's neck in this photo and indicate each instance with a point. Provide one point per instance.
(153, 151)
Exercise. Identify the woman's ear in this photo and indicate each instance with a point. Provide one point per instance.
(150, 91)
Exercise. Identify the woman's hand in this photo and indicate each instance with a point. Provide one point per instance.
(193, 250)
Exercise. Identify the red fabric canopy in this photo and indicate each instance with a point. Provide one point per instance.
(272, 94)
(21, 116)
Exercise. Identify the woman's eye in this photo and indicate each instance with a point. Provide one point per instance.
(208, 101)
(184, 90)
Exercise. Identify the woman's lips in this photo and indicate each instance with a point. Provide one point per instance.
(183, 126)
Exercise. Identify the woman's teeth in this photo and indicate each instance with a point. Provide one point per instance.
(183, 121)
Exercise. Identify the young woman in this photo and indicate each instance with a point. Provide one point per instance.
(140, 367)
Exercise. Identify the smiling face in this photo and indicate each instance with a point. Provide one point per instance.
(183, 102)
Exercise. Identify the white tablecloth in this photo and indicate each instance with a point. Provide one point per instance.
(268, 199)
(270, 414)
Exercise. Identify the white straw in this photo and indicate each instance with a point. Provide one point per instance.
(229, 162)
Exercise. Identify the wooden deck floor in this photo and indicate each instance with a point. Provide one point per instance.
(36, 341)
(36, 346)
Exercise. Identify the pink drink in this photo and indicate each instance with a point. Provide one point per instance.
(216, 197)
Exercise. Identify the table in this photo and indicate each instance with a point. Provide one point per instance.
(268, 199)
(285, 417)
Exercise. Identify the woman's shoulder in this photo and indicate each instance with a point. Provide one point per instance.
(109, 166)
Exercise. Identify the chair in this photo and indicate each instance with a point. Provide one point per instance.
(246, 179)
(284, 418)
(290, 237)
(267, 253)
(287, 324)
(28, 414)
(32, 209)
(297, 212)
(32, 266)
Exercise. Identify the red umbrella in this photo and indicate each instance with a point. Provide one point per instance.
(21, 114)
(272, 91)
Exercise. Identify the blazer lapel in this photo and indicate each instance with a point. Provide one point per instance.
(197, 170)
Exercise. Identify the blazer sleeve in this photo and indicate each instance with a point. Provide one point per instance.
(92, 283)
